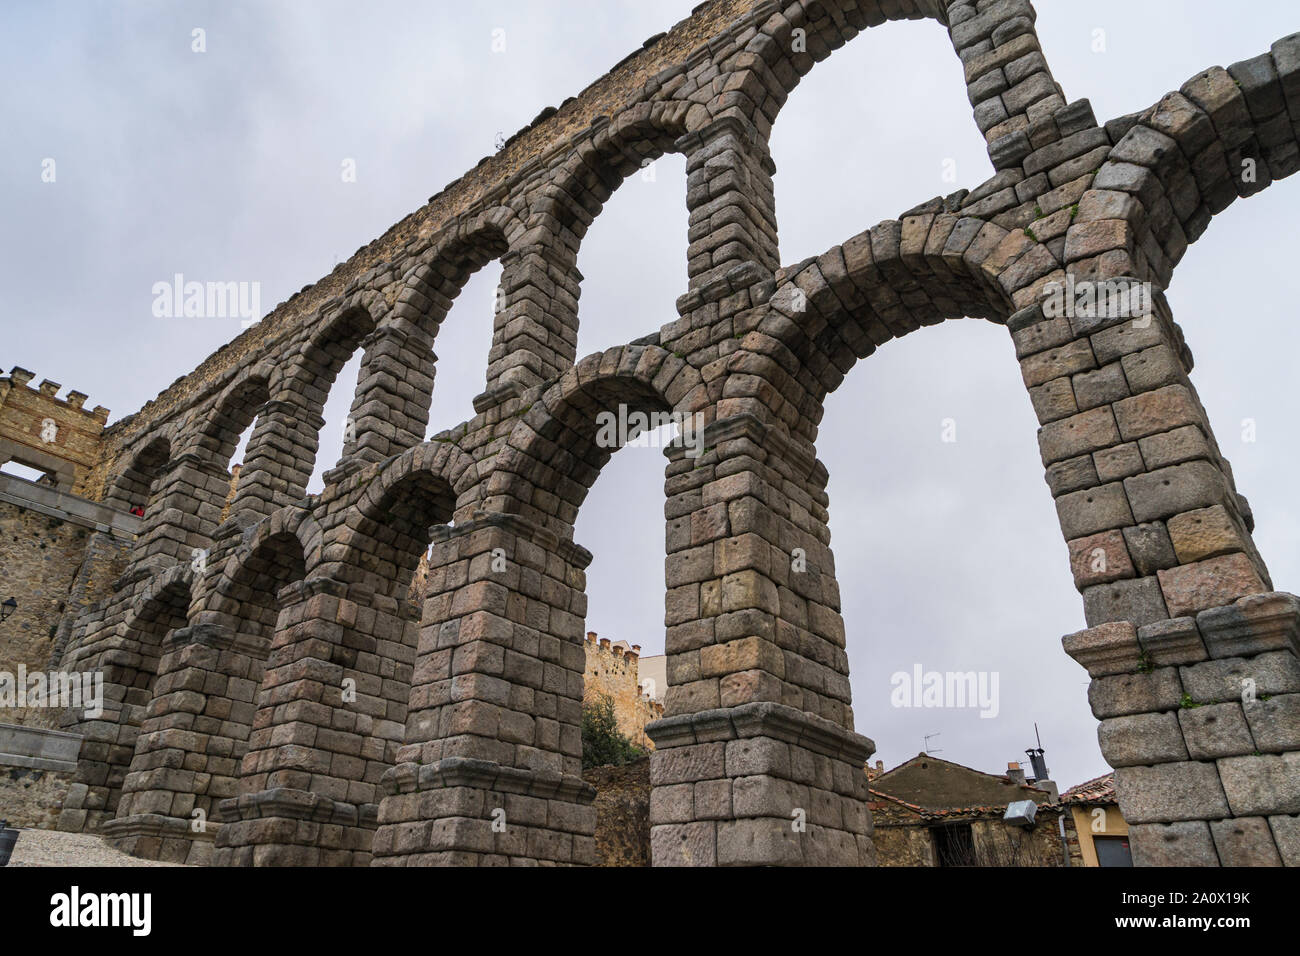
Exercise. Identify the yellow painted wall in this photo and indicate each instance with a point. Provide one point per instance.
(1115, 825)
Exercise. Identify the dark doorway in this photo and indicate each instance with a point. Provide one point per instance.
(954, 845)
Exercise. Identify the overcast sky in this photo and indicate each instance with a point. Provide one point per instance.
(226, 165)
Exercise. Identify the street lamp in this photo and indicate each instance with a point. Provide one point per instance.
(7, 608)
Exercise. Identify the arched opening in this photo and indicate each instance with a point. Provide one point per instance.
(498, 677)
(351, 712)
(460, 266)
(236, 468)
(949, 560)
(403, 519)
(832, 149)
(632, 257)
(338, 425)
(651, 400)
(233, 416)
(134, 487)
(275, 562)
(226, 437)
(331, 357)
(463, 346)
(162, 610)
(222, 660)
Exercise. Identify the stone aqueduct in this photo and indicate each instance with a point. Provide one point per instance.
(286, 688)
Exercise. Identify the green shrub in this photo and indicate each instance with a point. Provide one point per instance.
(602, 743)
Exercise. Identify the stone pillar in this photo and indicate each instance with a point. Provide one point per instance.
(329, 718)
(490, 772)
(535, 326)
(730, 197)
(1176, 596)
(191, 744)
(1007, 78)
(1200, 716)
(755, 761)
(126, 658)
(390, 411)
(185, 509)
(279, 459)
(1145, 499)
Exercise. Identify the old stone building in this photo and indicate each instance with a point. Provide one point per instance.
(933, 812)
(1097, 834)
(58, 550)
(56, 436)
(611, 671)
(58, 553)
(267, 673)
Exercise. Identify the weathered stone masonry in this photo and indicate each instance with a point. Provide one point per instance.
(265, 670)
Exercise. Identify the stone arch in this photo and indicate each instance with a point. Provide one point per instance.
(190, 497)
(132, 489)
(163, 602)
(130, 671)
(387, 531)
(216, 436)
(1225, 135)
(774, 59)
(498, 675)
(200, 719)
(338, 671)
(431, 285)
(290, 538)
(292, 436)
(554, 453)
(609, 152)
(612, 150)
(827, 313)
(1008, 81)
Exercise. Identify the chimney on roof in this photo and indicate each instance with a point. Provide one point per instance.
(1042, 776)
(591, 636)
(1039, 763)
(1015, 772)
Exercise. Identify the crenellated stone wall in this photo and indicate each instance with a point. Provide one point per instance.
(611, 670)
(56, 435)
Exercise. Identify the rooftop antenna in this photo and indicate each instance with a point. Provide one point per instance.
(927, 744)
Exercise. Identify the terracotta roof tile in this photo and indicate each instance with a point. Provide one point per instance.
(1097, 790)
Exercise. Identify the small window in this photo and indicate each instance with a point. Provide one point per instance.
(1112, 851)
(954, 845)
(40, 476)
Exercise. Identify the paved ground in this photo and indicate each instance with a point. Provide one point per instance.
(53, 848)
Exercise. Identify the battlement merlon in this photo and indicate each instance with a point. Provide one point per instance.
(58, 437)
(48, 391)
